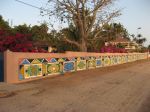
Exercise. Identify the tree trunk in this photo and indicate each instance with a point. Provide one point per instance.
(83, 47)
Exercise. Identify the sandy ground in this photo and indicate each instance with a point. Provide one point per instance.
(123, 88)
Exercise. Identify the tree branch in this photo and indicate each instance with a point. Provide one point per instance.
(71, 42)
(112, 15)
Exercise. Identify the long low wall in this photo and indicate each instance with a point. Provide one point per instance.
(22, 67)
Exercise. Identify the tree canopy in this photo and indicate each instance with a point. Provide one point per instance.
(68, 38)
(87, 17)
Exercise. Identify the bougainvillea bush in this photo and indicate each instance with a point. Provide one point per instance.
(112, 49)
(16, 43)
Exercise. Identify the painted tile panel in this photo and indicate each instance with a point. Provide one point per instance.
(54, 68)
(21, 72)
(69, 66)
(81, 65)
(27, 71)
(107, 61)
(35, 61)
(36, 70)
(98, 63)
(112, 58)
(25, 61)
(29, 68)
(32, 70)
(91, 63)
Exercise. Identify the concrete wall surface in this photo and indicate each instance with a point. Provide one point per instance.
(21, 67)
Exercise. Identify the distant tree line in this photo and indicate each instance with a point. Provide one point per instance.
(31, 34)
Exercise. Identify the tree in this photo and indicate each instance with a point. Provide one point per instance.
(109, 32)
(40, 32)
(119, 30)
(71, 34)
(37, 32)
(4, 26)
(87, 16)
(23, 29)
(139, 39)
(113, 31)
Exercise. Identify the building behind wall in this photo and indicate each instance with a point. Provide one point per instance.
(130, 46)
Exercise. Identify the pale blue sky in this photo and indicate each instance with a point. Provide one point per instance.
(135, 13)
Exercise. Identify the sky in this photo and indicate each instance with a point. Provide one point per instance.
(135, 14)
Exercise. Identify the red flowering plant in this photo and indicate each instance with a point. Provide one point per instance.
(112, 49)
(16, 43)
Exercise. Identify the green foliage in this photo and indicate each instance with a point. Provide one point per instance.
(120, 45)
(139, 39)
(53, 37)
(117, 29)
(141, 50)
(40, 32)
(70, 33)
(109, 32)
(23, 29)
(4, 25)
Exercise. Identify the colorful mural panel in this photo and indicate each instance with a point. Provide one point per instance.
(112, 58)
(27, 71)
(44, 69)
(21, 72)
(53, 60)
(61, 60)
(103, 60)
(98, 63)
(54, 68)
(25, 61)
(29, 68)
(81, 65)
(107, 61)
(69, 66)
(122, 59)
(119, 59)
(115, 60)
(32, 70)
(91, 63)
(36, 70)
(126, 59)
(129, 58)
(35, 61)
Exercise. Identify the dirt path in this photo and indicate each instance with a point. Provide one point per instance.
(124, 88)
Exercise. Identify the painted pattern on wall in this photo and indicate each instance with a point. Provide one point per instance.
(54, 68)
(69, 66)
(99, 62)
(91, 62)
(107, 61)
(30, 68)
(81, 65)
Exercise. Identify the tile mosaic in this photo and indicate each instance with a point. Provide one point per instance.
(81, 65)
(98, 63)
(21, 72)
(53, 68)
(35, 61)
(69, 66)
(107, 61)
(53, 60)
(91, 63)
(25, 61)
(29, 68)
